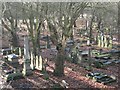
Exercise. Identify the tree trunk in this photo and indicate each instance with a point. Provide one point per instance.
(59, 63)
(91, 26)
(90, 33)
(14, 39)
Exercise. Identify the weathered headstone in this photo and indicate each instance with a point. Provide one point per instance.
(11, 49)
(99, 41)
(48, 42)
(37, 63)
(32, 61)
(45, 64)
(79, 58)
(40, 63)
(88, 42)
(110, 43)
(26, 68)
(105, 41)
(20, 52)
(102, 40)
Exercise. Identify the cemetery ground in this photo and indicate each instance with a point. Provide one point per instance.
(60, 45)
(75, 75)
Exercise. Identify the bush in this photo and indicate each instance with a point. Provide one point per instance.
(88, 68)
(98, 64)
(14, 76)
(46, 76)
(57, 85)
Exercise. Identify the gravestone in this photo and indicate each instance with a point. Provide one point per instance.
(101, 77)
(99, 41)
(32, 61)
(12, 57)
(110, 43)
(38, 65)
(26, 68)
(48, 42)
(37, 62)
(40, 62)
(85, 53)
(11, 48)
(88, 42)
(45, 64)
(79, 58)
(20, 52)
(105, 42)
(102, 40)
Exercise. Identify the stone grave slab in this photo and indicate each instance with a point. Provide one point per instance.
(95, 52)
(84, 53)
(12, 57)
(9, 72)
(114, 51)
(13, 76)
(43, 46)
(70, 43)
(116, 61)
(101, 77)
(103, 56)
(6, 51)
(101, 63)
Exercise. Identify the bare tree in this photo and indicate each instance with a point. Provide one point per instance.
(60, 22)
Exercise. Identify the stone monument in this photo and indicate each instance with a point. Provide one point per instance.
(26, 68)
(32, 61)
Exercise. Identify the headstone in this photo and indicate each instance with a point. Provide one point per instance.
(26, 68)
(89, 55)
(12, 57)
(99, 41)
(79, 58)
(32, 61)
(11, 49)
(45, 64)
(102, 40)
(48, 42)
(88, 42)
(85, 53)
(110, 43)
(37, 63)
(105, 41)
(40, 63)
(26, 48)
(20, 52)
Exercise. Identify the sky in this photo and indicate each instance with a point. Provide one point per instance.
(59, 0)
